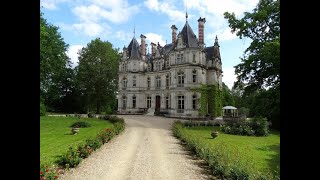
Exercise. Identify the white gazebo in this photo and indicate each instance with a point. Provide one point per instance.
(230, 111)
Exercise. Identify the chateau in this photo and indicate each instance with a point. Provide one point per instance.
(162, 82)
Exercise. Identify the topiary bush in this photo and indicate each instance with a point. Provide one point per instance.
(80, 124)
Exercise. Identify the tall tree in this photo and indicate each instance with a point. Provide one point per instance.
(260, 66)
(259, 70)
(98, 73)
(228, 99)
(53, 62)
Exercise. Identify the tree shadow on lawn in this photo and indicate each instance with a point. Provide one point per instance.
(274, 158)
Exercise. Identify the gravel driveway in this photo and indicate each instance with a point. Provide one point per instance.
(145, 150)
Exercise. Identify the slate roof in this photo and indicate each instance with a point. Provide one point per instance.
(134, 49)
(188, 36)
(166, 49)
(209, 52)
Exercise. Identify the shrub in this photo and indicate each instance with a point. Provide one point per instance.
(42, 109)
(108, 110)
(70, 159)
(94, 143)
(84, 151)
(105, 135)
(260, 125)
(90, 115)
(118, 127)
(256, 126)
(48, 173)
(80, 124)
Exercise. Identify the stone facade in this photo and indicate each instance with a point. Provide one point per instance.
(162, 81)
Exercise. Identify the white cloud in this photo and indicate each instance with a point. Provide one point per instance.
(90, 29)
(167, 8)
(51, 4)
(113, 11)
(155, 38)
(123, 36)
(223, 35)
(228, 76)
(73, 54)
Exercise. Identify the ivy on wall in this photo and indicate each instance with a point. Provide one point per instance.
(210, 102)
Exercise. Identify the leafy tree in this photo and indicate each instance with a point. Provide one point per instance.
(97, 74)
(54, 63)
(258, 74)
(228, 99)
(260, 66)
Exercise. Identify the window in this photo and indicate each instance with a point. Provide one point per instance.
(148, 102)
(158, 82)
(178, 59)
(149, 67)
(125, 82)
(126, 67)
(167, 102)
(133, 101)
(148, 82)
(180, 79)
(183, 58)
(194, 58)
(134, 81)
(180, 103)
(194, 76)
(124, 102)
(158, 66)
(167, 80)
(167, 64)
(122, 68)
(194, 101)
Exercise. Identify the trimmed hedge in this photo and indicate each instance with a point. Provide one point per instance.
(227, 164)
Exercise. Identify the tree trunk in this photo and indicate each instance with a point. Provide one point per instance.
(98, 106)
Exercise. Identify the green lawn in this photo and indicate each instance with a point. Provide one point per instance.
(263, 152)
(55, 135)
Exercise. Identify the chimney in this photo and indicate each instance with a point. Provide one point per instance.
(153, 49)
(174, 33)
(201, 22)
(143, 45)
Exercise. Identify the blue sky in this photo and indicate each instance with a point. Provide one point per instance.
(81, 21)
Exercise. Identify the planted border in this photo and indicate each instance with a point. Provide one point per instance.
(223, 162)
(77, 153)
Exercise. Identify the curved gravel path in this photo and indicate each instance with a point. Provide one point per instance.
(145, 150)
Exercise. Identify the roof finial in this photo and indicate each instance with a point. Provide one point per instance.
(186, 11)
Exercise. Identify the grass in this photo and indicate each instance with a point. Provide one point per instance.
(262, 152)
(55, 135)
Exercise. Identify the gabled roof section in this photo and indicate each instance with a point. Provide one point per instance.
(166, 49)
(209, 52)
(188, 36)
(134, 49)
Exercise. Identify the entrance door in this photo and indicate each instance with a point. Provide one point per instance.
(157, 104)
